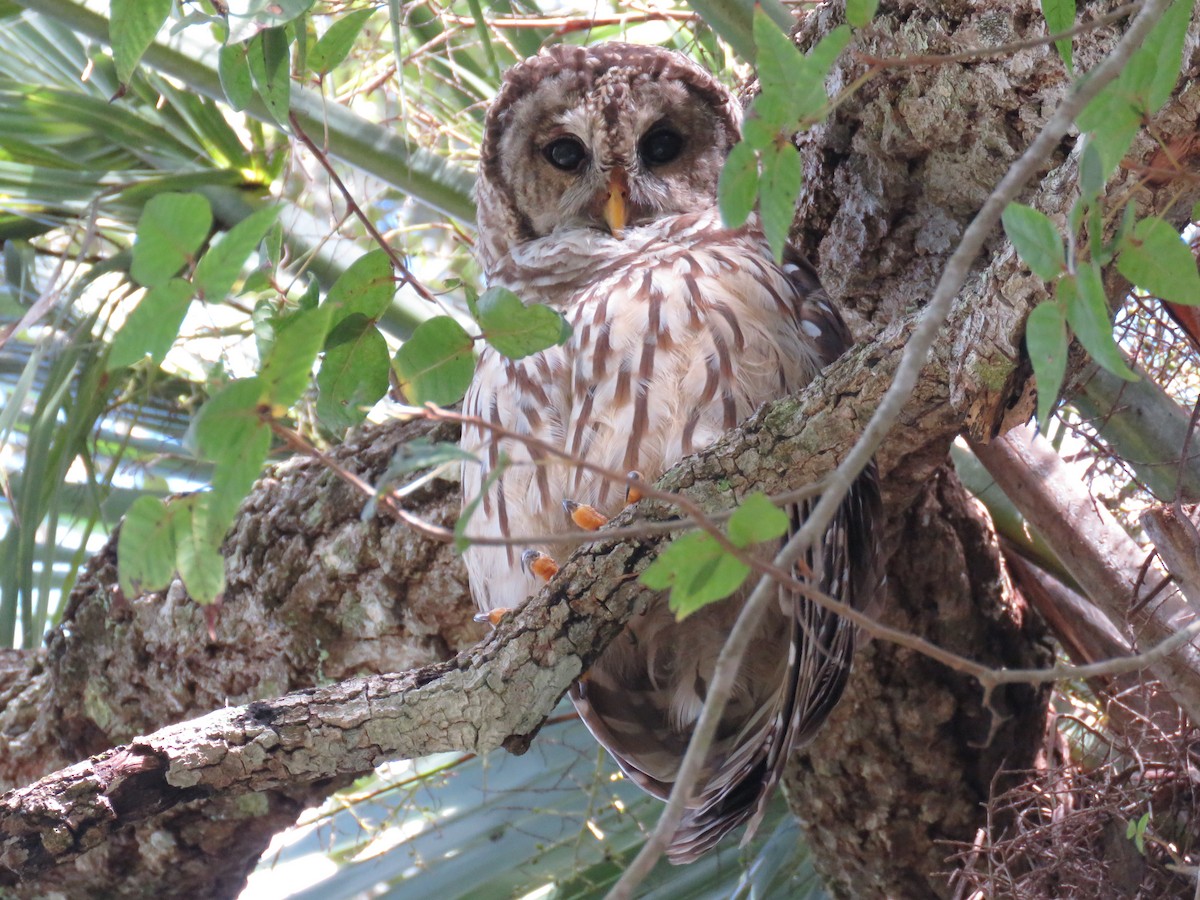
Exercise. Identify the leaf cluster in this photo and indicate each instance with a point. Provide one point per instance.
(1148, 251)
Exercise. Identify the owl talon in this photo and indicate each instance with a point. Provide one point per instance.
(633, 488)
(492, 616)
(586, 517)
(539, 564)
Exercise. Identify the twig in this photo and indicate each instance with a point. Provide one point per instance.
(686, 504)
(568, 24)
(406, 276)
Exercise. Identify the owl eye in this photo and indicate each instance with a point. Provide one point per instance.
(565, 153)
(660, 146)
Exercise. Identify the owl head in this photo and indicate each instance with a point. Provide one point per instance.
(606, 137)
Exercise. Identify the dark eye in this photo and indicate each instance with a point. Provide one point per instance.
(660, 146)
(565, 153)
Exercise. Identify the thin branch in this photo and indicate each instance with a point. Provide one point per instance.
(397, 263)
(689, 507)
(567, 24)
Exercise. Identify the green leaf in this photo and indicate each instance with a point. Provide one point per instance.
(738, 185)
(1155, 258)
(152, 327)
(132, 27)
(255, 15)
(270, 70)
(776, 60)
(859, 13)
(233, 68)
(335, 43)
(697, 571)
(231, 420)
(435, 365)
(756, 520)
(1046, 341)
(354, 373)
(1151, 73)
(1036, 240)
(1091, 170)
(789, 80)
(171, 229)
(782, 178)
(472, 503)
(1088, 315)
(1115, 115)
(423, 453)
(810, 100)
(221, 264)
(198, 534)
(1137, 831)
(230, 430)
(288, 366)
(1060, 15)
(1111, 121)
(759, 130)
(146, 547)
(517, 330)
(367, 287)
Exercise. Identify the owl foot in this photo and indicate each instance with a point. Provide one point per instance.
(586, 517)
(589, 518)
(539, 564)
(633, 490)
(492, 616)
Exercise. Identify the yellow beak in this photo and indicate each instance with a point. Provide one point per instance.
(614, 206)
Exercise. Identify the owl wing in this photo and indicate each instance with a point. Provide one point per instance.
(822, 646)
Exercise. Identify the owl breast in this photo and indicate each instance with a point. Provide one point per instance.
(680, 330)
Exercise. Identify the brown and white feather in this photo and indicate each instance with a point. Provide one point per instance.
(681, 328)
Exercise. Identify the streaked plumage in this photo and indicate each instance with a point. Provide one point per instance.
(681, 329)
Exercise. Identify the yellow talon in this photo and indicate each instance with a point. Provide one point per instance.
(492, 616)
(633, 489)
(586, 517)
(538, 564)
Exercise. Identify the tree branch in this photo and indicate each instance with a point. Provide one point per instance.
(1100, 556)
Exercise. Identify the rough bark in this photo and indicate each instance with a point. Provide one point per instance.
(912, 754)
(317, 594)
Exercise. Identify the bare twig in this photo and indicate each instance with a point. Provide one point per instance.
(406, 276)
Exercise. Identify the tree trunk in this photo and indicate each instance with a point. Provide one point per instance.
(907, 762)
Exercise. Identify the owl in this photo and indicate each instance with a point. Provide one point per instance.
(597, 197)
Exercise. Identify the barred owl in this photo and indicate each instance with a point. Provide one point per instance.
(597, 197)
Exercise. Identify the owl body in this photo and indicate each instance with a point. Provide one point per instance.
(653, 371)
(597, 197)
